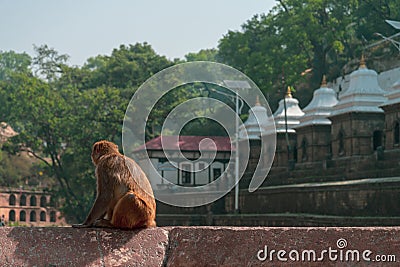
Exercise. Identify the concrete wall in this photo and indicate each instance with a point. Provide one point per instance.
(367, 197)
(365, 202)
(200, 246)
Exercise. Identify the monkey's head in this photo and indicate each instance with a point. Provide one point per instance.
(102, 148)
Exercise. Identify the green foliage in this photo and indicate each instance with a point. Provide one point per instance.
(61, 111)
(48, 63)
(203, 127)
(16, 169)
(203, 55)
(127, 67)
(302, 34)
(11, 62)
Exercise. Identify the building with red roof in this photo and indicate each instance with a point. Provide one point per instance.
(185, 160)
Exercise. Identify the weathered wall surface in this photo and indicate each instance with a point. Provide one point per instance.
(22, 246)
(364, 202)
(367, 197)
(200, 246)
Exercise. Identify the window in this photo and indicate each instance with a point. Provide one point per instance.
(42, 216)
(11, 216)
(22, 216)
(201, 166)
(33, 201)
(341, 143)
(52, 216)
(216, 173)
(32, 217)
(22, 201)
(12, 200)
(295, 152)
(43, 201)
(377, 139)
(304, 150)
(186, 175)
(52, 202)
(396, 133)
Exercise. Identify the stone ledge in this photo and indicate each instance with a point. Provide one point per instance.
(199, 246)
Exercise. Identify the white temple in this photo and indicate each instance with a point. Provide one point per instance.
(320, 107)
(293, 114)
(364, 93)
(256, 122)
(394, 95)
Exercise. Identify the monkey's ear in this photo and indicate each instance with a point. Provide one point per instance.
(96, 148)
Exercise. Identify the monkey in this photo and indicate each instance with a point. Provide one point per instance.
(124, 198)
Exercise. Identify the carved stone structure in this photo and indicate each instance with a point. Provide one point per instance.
(286, 118)
(314, 130)
(29, 208)
(357, 120)
(392, 117)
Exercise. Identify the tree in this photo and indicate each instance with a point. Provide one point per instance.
(48, 63)
(297, 35)
(12, 62)
(63, 110)
(127, 67)
(203, 55)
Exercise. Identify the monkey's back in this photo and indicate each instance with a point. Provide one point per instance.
(125, 171)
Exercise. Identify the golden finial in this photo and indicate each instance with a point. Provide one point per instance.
(258, 101)
(288, 93)
(362, 62)
(323, 83)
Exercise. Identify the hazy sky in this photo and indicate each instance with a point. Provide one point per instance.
(88, 28)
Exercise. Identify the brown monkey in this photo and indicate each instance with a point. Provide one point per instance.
(124, 195)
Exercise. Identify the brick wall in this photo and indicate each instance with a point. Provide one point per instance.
(29, 208)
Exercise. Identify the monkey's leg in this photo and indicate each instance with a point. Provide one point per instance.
(131, 212)
(103, 223)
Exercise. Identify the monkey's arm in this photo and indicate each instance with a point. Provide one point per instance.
(100, 206)
(97, 212)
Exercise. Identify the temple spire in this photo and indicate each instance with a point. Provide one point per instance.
(362, 62)
(258, 101)
(288, 93)
(323, 83)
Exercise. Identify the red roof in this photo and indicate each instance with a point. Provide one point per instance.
(188, 143)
